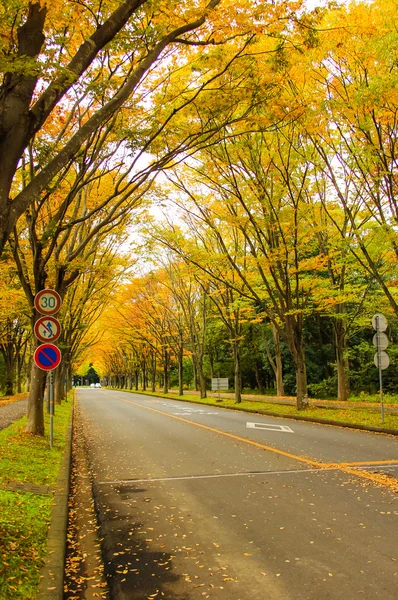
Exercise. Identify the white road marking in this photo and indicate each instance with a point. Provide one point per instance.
(195, 412)
(215, 476)
(269, 427)
(188, 410)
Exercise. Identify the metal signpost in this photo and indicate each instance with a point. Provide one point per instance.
(381, 359)
(47, 329)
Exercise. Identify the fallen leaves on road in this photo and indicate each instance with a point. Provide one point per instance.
(84, 571)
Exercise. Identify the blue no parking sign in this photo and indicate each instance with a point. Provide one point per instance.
(47, 357)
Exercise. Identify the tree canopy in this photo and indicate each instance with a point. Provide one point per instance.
(211, 187)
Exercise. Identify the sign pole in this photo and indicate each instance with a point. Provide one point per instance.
(51, 408)
(218, 384)
(47, 329)
(380, 369)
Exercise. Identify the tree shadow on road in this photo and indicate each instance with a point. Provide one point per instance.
(137, 563)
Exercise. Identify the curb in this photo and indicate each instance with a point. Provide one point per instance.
(51, 586)
(279, 416)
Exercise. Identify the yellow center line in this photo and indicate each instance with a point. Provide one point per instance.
(369, 463)
(344, 467)
(308, 461)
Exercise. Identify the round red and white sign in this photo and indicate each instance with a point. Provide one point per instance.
(47, 329)
(47, 302)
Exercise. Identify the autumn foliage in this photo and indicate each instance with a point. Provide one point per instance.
(251, 147)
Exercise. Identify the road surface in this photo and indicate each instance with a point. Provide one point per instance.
(12, 412)
(201, 502)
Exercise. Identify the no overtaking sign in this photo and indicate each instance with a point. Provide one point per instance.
(47, 329)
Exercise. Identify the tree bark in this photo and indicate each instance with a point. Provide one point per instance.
(280, 386)
(202, 382)
(35, 413)
(195, 374)
(295, 341)
(166, 372)
(10, 370)
(59, 387)
(260, 385)
(276, 362)
(237, 372)
(144, 377)
(343, 384)
(301, 381)
(211, 363)
(153, 387)
(180, 370)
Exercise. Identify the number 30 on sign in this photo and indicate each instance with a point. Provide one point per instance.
(47, 302)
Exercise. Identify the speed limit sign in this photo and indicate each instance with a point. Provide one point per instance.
(47, 302)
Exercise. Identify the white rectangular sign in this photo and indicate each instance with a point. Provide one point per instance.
(219, 383)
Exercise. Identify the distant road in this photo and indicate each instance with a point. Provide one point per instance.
(201, 502)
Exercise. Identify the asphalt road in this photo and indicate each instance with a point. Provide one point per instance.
(199, 502)
(12, 412)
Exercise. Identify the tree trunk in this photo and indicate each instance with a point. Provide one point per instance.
(27, 375)
(144, 378)
(59, 388)
(301, 382)
(35, 413)
(201, 380)
(237, 373)
(343, 384)
(280, 386)
(195, 373)
(276, 362)
(7, 351)
(211, 363)
(67, 381)
(180, 371)
(260, 386)
(136, 377)
(19, 362)
(166, 372)
(294, 335)
(9, 382)
(153, 388)
(202, 383)
(19, 380)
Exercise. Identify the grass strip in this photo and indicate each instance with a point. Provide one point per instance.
(354, 415)
(24, 516)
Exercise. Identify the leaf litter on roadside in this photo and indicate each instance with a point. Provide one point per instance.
(84, 570)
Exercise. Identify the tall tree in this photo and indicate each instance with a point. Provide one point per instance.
(351, 111)
(48, 70)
